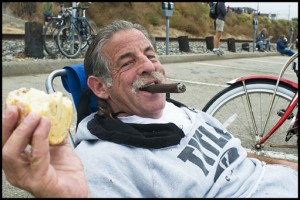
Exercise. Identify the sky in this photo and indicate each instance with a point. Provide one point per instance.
(286, 10)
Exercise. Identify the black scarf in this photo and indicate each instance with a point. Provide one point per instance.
(138, 135)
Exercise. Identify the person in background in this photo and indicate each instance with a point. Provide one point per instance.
(282, 46)
(219, 25)
(228, 9)
(261, 42)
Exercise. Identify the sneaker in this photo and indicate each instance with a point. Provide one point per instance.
(215, 50)
(218, 52)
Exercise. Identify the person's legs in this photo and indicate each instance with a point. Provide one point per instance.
(219, 30)
(284, 52)
(267, 46)
(290, 53)
(260, 45)
(217, 39)
(287, 52)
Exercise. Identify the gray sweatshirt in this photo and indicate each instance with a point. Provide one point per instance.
(207, 162)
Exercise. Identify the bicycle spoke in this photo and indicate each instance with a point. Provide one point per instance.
(233, 112)
(69, 41)
(230, 119)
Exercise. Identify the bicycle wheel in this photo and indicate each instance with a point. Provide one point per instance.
(50, 39)
(88, 33)
(230, 107)
(69, 41)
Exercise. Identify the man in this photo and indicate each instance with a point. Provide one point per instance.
(219, 25)
(261, 42)
(282, 46)
(138, 145)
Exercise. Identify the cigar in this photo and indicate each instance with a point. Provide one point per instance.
(165, 88)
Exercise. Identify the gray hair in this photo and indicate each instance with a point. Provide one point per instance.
(95, 62)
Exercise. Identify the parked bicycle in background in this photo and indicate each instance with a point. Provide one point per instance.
(74, 37)
(51, 30)
(262, 109)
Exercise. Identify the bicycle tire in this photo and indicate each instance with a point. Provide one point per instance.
(230, 104)
(50, 39)
(88, 35)
(69, 47)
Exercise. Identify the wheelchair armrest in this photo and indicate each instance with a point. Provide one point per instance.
(50, 78)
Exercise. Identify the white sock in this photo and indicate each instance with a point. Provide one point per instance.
(215, 49)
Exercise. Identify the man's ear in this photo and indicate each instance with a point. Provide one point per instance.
(98, 86)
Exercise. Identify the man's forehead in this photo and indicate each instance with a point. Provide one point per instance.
(127, 38)
(126, 32)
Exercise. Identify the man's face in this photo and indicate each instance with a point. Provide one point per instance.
(131, 57)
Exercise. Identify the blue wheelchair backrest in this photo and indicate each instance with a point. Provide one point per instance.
(75, 82)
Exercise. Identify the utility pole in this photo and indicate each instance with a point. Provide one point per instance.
(291, 30)
(168, 8)
(255, 25)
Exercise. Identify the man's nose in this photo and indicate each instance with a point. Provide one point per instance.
(145, 65)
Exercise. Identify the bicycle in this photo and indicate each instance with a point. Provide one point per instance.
(244, 108)
(51, 30)
(78, 34)
(87, 30)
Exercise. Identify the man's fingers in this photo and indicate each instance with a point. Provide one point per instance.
(40, 154)
(9, 122)
(20, 138)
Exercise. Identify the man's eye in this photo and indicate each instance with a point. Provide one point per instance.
(151, 56)
(127, 63)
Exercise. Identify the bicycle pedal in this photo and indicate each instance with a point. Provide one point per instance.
(281, 112)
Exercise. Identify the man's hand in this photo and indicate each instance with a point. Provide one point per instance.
(41, 169)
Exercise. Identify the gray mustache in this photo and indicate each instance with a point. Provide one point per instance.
(144, 79)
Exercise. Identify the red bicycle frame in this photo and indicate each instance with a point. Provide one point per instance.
(288, 109)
